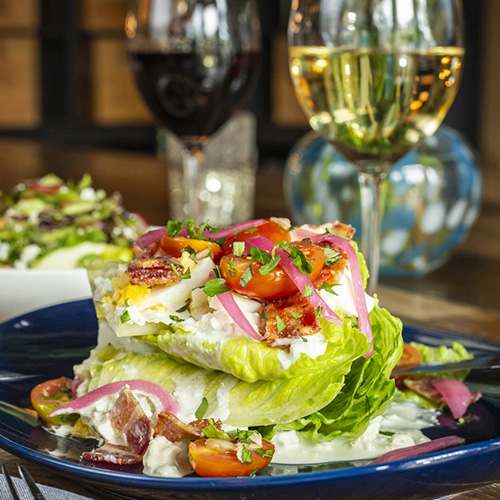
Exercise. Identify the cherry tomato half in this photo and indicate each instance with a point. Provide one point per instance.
(48, 396)
(173, 246)
(409, 359)
(274, 285)
(269, 229)
(218, 458)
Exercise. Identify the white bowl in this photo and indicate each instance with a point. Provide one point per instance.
(25, 290)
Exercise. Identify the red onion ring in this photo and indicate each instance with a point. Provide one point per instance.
(300, 279)
(161, 399)
(419, 449)
(157, 234)
(223, 233)
(456, 395)
(364, 324)
(236, 314)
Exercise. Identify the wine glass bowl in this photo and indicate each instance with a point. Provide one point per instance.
(194, 63)
(375, 78)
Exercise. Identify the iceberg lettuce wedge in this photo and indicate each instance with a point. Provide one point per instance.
(251, 361)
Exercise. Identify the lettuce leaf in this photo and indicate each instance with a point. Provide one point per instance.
(241, 403)
(252, 361)
(367, 392)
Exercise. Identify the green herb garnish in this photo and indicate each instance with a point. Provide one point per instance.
(216, 286)
(125, 316)
(202, 409)
(174, 227)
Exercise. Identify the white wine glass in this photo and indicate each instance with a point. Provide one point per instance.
(194, 62)
(375, 77)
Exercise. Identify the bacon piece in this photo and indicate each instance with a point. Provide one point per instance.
(423, 387)
(128, 417)
(154, 271)
(174, 430)
(113, 454)
(298, 316)
(331, 274)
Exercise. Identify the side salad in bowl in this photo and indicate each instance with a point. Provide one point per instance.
(222, 350)
(47, 223)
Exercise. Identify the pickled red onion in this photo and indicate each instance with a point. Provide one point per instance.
(419, 449)
(456, 395)
(161, 399)
(150, 237)
(157, 234)
(236, 314)
(300, 279)
(222, 233)
(364, 324)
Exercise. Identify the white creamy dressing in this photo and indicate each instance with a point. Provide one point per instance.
(166, 459)
(312, 346)
(403, 418)
(344, 301)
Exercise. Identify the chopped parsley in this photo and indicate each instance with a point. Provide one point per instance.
(265, 453)
(191, 251)
(246, 276)
(329, 288)
(174, 227)
(185, 275)
(125, 316)
(318, 311)
(212, 432)
(185, 307)
(216, 286)
(246, 456)
(280, 324)
(202, 409)
(238, 248)
(296, 315)
(331, 256)
(260, 256)
(308, 291)
(270, 266)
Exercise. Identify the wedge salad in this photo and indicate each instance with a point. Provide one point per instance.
(48, 223)
(220, 351)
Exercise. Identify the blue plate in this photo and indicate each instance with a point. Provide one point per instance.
(46, 343)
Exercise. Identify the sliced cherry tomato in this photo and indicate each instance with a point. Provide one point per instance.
(409, 359)
(269, 229)
(218, 458)
(48, 396)
(274, 285)
(173, 246)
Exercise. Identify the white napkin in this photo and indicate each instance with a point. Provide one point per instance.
(25, 494)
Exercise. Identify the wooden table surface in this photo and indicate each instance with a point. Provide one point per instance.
(463, 296)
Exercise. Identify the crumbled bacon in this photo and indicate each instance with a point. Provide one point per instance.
(331, 274)
(113, 454)
(128, 417)
(296, 313)
(154, 271)
(174, 430)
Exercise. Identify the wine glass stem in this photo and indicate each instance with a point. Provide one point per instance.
(192, 160)
(371, 181)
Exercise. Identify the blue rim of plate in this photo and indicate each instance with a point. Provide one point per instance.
(468, 453)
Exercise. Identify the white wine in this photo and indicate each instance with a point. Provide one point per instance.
(375, 104)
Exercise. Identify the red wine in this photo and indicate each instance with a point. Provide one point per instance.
(193, 93)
